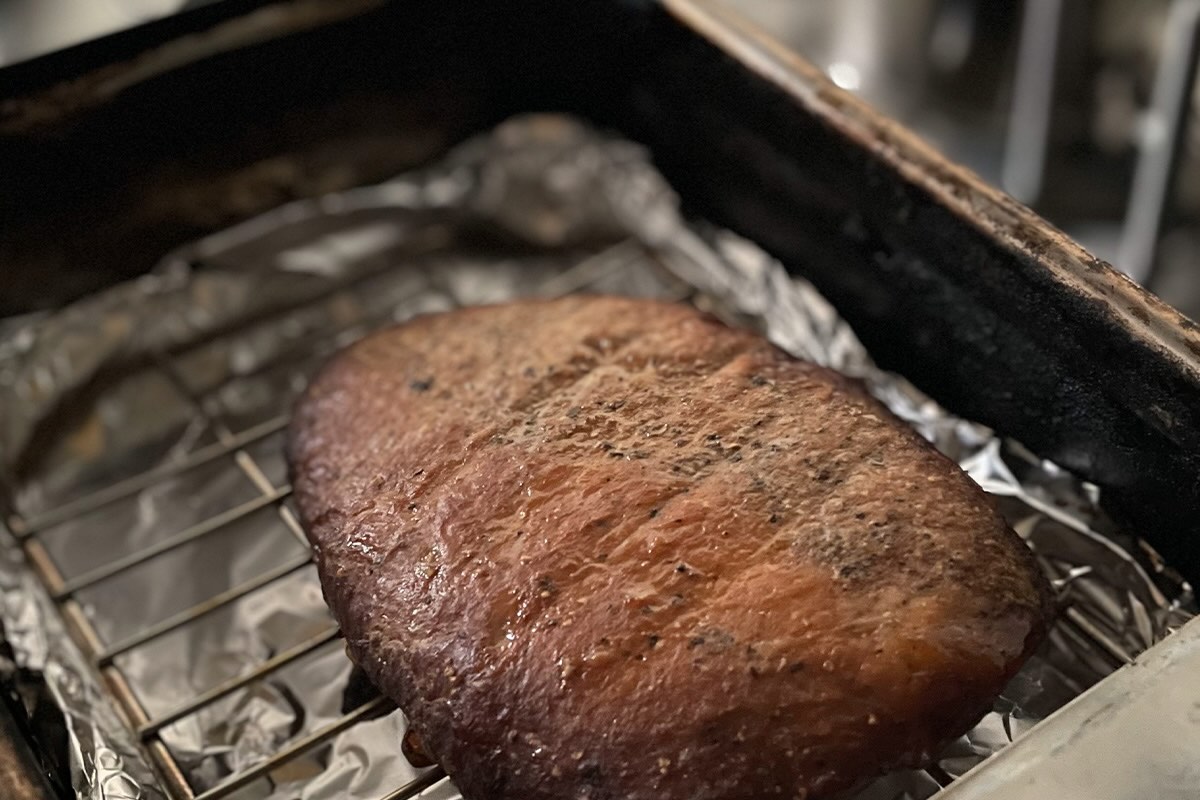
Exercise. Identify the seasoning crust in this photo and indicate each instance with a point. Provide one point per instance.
(601, 548)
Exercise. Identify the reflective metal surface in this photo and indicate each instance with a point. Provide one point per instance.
(29, 28)
(1137, 735)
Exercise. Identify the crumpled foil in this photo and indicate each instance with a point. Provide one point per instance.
(220, 338)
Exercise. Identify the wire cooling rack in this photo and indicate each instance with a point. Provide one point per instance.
(165, 538)
(229, 433)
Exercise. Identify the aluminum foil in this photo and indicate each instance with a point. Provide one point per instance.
(219, 340)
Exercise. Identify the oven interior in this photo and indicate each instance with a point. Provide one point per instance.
(119, 151)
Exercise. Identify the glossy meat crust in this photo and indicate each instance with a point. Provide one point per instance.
(611, 549)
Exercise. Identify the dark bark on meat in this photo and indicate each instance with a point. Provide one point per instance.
(608, 548)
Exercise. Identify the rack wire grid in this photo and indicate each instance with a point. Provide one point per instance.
(250, 446)
(244, 449)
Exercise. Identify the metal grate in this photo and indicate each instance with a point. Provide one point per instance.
(240, 449)
(236, 448)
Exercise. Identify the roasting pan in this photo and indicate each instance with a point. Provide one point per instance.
(116, 151)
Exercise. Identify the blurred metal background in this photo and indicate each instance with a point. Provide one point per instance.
(1078, 108)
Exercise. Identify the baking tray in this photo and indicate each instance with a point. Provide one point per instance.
(118, 150)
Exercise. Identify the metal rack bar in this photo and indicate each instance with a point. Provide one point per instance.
(245, 462)
(938, 775)
(1093, 632)
(254, 472)
(199, 610)
(296, 748)
(293, 524)
(25, 528)
(413, 788)
(169, 771)
(214, 694)
(197, 531)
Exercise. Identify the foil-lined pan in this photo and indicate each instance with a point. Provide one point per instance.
(175, 388)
